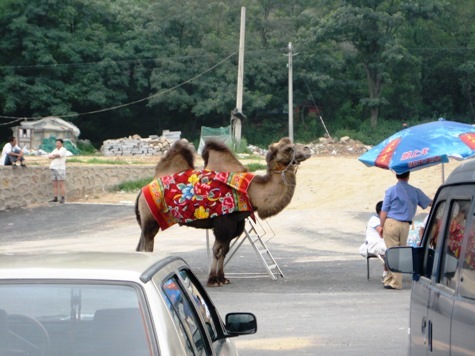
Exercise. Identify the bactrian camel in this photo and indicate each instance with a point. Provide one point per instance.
(267, 194)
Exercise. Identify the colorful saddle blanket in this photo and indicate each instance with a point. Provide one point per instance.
(197, 194)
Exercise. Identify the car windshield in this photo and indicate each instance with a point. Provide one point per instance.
(72, 319)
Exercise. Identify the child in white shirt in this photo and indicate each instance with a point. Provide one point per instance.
(374, 243)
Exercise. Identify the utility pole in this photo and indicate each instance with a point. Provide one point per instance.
(236, 114)
(291, 95)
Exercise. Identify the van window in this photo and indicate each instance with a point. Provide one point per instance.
(433, 236)
(453, 242)
(467, 281)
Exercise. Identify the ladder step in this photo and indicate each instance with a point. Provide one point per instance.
(255, 239)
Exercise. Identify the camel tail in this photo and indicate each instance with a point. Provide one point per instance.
(137, 212)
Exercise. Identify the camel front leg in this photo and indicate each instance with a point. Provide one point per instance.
(238, 230)
(226, 228)
(220, 265)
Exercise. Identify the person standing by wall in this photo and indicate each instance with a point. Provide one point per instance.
(11, 153)
(58, 170)
(398, 210)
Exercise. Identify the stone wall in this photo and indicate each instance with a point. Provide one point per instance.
(24, 186)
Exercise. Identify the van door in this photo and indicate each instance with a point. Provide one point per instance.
(421, 289)
(463, 317)
(445, 279)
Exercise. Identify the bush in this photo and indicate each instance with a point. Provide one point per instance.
(86, 147)
(254, 166)
(242, 148)
(100, 161)
(132, 185)
(310, 130)
(385, 128)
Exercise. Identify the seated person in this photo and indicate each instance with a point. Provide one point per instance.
(374, 243)
(11, 153)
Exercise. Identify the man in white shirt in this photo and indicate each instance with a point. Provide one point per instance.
(11, 153)
(58, 170)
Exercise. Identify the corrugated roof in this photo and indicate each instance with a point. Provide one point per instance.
(51, 123)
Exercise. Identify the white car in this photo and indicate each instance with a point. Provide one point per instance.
(130, 304)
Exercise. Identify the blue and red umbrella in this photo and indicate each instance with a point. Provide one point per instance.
(422, 146)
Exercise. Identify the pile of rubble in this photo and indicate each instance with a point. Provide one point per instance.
(135, 145)
(344, 146)
(157, 146)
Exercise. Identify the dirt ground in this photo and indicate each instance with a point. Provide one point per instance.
(325, 292)
(330, 185)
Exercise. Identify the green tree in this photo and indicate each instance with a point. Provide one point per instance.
(48, 48)
(372, 28)
(121, 67)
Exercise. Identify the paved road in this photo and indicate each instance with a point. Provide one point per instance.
(323, 306)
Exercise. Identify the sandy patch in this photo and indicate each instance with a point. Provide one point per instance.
(333, 186)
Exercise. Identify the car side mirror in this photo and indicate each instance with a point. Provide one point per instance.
(402, 259)
(241, 324)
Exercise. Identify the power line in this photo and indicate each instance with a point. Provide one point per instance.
(132, 102)
(11, 122)
(123, 61)
(94, 63)
(249, 52)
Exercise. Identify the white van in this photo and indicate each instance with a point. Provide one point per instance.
(442, 313)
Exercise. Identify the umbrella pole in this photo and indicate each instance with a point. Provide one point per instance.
(443, 175)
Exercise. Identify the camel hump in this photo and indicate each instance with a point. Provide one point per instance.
(183, 147)
(217, 156)
(180, 157)
(215, 144)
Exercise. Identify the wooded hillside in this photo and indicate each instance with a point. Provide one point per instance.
(120, 67)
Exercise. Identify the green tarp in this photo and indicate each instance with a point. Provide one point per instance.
(221, 133)
(49, 144)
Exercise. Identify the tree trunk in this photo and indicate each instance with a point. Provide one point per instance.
(374, 90)
(470, 102)
(374, 117)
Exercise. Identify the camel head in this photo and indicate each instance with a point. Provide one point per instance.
(284, 155)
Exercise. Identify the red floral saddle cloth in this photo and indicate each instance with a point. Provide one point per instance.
(197, 194)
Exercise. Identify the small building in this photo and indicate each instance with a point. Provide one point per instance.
(32, 133)
(307, 108)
